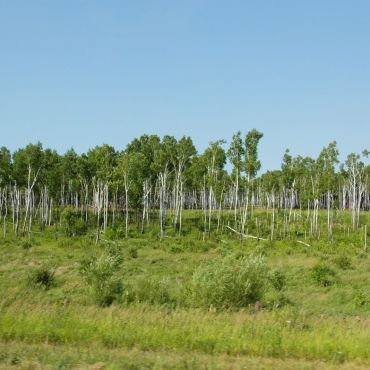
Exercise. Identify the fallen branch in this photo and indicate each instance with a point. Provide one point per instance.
(246, 236)
(307, 245)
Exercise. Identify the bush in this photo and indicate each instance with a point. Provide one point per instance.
(343, 262)
(132, 252)
(115, 252)
(289, 251)
(277, 279)
(71, 222)
(43, 277)
(361, 299)
(229, 282)
(154, 291)
(176, 248)
(26, 244)
(101, 276)
(323, 275)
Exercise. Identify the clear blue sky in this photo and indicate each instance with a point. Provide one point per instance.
(78, 73)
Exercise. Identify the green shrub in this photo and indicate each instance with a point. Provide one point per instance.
(110, 234)
(15, 360)
(229, 282)
(289, 251)
(176, 248)
(277, 279)
(42, 276)
(115, 251)
(71, 222)
(343, 262)
(100, 273)
(26, 244)
(361, 299)
(323, 275)
(154, 291)
(132, 252)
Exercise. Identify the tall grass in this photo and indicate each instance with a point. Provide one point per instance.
(100, 273)
(274, 334)
(229, 282)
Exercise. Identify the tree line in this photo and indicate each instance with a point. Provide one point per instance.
(164, 176)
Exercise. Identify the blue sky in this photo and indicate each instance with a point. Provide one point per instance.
(79, 73)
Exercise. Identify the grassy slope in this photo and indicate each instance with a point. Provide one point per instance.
(62, 328)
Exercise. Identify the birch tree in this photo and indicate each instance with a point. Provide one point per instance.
(129, 169)
(251, 165)
(356, 172)
(326, 162)
(235, 155)
(180, 154)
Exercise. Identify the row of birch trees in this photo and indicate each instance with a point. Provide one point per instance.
(154, 180)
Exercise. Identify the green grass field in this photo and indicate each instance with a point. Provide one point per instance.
(313, 311)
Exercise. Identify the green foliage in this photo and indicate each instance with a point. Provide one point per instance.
(30, 157)
(235, 155)
(252, 164)
(343, 262)
(325, 163)
(42, 276)
(323, 275)
(362, 298)
(132, 252)
(115, 251)
(5, 165)
(26, 244)
(101, 161)
(154, 291)
(229, 282)
(277, 279)
(71, 222)
(100, 273)
(158, 309)
(176, 248)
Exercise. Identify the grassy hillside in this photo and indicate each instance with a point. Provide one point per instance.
(145, 303)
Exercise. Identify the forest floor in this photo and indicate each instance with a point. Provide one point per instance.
(303, 324)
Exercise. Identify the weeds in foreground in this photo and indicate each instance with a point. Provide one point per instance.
(42, 276)
(324, 275)
(229, 282)
(100, 273)
(26, 244)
